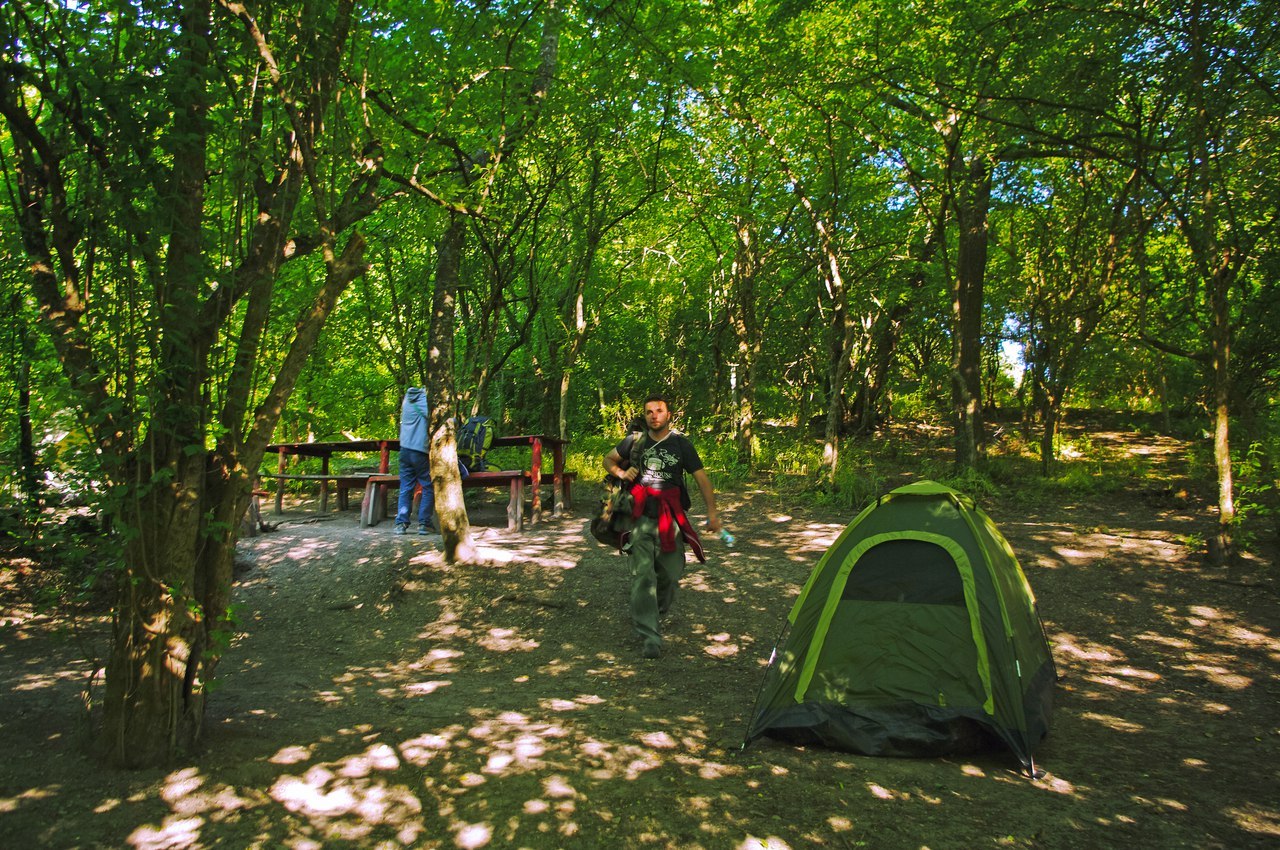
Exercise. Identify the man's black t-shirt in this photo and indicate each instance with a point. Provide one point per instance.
(664, 463)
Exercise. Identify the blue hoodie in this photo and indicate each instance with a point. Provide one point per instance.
(415, 426)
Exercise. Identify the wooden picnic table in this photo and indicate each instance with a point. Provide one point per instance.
(560, 483)
(537, 443)
(325, 450)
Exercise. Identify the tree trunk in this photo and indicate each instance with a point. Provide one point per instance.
(147, 715)
(574, 311)
(455, 527)
(28, 472)
(972, 202)
(838, 370)
(1224, 547)
(178, 504)
(747, 383)
(156, 639)
(746, 331)
(1050, 409)
(1216, 243)
(577, 341)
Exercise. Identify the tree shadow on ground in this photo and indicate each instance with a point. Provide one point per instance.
(378, 697)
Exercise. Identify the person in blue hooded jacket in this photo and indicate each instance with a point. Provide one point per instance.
(415, 462)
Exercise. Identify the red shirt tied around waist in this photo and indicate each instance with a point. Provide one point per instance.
(671, 516)
(654, 461)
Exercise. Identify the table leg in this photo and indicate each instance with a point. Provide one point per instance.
(559, 486)
(535, 480)
(280, 467)
(366, 504)
(515, 505)
(324, 485)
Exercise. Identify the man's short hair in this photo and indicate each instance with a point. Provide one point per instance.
(659, 397)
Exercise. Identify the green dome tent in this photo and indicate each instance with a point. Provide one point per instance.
(915, 635)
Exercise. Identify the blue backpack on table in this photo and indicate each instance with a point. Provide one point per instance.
(474, 439)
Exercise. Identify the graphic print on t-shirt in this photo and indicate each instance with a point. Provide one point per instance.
(661, 467)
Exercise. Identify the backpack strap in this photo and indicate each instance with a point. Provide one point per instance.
(640, 442)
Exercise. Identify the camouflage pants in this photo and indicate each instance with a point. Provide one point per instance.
(654, 576)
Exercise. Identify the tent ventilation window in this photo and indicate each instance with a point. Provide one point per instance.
(914, 571)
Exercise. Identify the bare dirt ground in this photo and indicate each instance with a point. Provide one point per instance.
(380, 698)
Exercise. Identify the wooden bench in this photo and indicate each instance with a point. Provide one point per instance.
(374, 507)
(342, 483)
(251, 523)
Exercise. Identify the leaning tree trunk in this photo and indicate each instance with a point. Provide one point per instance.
(455, 527)
(841, 348)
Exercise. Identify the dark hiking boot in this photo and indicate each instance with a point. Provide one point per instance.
(652, 648)
(402, 528)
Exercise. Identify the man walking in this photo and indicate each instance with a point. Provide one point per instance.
(415, 462)
(659, 458)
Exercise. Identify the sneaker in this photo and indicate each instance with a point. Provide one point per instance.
(652, 648)
(427, 528)
(402, 528)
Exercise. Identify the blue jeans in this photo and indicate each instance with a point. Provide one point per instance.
(415, 468)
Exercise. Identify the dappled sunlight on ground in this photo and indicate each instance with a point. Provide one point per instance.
(378, 697)
(721, 646)
(377, 787)
(45, 679)
(1256, 820)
